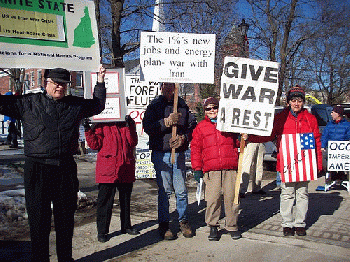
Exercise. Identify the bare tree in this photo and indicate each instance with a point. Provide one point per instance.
(277, 35)
(327, 55)
(120, 32)
(203, 17)
(112, 17)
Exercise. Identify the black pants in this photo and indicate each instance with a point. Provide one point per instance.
(45, 184)
(12, 135)
(340, 175)
(105, 202)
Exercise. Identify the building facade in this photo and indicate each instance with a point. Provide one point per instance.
(25, 81)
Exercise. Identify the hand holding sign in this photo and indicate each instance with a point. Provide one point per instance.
(177, 141)
(101, 74)
(172, 119)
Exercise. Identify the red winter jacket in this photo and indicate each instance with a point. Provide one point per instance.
(286, 123)
(212, 149)
(115, 143)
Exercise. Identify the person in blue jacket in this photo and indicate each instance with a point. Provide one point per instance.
(336, 130)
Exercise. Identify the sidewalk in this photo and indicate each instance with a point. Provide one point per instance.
(328, 229)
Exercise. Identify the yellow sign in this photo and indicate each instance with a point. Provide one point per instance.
(31, 25)
(313, 99)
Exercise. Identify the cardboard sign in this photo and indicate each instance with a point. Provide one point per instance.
(48, 34)
(338, 156)
(298, 157)
(144, 165)
(177, 57)
(115, 107)
(247, 97)
(139, 95)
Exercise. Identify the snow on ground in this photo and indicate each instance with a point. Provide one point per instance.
(12, 203)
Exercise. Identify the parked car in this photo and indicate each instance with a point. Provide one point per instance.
(322, 112)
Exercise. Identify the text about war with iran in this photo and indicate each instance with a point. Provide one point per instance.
(177, 57)
(247, 96)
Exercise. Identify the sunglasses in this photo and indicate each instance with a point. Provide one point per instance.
(210, 108)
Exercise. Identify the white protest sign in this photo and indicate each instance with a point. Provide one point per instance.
(177, 57)
(338, 156)
(112, 81)
(111, 111)
(247, 97)
(144, 165)
(139, 95)
(47, 34)
(115, 107)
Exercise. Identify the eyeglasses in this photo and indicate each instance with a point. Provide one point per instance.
(210, 108)
(57, 84)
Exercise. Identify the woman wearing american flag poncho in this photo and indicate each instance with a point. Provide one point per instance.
(299, 158)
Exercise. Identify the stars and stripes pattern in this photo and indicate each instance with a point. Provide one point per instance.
(298, 157)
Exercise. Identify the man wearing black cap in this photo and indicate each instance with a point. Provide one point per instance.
(336, 130)
(50, 131)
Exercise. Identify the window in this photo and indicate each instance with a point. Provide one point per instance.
(79, 79)
(32, 79)
(39, 78)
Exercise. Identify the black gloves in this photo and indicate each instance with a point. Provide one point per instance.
(198, 175)
(86, 124)
(129, 121)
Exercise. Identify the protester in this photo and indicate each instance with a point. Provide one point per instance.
(336, 130)
(158, 121)
(252, 167)
(12, 131)
(294, 119)
(50, 132)
(214, 156)
(115, 169)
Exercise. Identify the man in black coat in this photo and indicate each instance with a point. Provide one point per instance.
(50, 131)
(158, 121)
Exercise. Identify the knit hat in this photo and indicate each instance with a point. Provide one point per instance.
(211, 100)
(59, 75)
(296, 91)
(338, 109)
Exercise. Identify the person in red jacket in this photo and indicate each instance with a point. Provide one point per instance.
(294, 119)
(214, 156)
(115, 169)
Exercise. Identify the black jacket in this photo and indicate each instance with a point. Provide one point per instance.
(159, 134)
(51, 127)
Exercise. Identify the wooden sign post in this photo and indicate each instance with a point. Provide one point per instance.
(174, 127)
(239, 171)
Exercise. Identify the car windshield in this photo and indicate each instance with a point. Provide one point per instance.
(323, 114)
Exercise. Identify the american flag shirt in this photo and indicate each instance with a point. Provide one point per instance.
(298, 157)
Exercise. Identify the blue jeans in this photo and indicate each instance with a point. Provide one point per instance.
(170, 177)
(278, 179)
